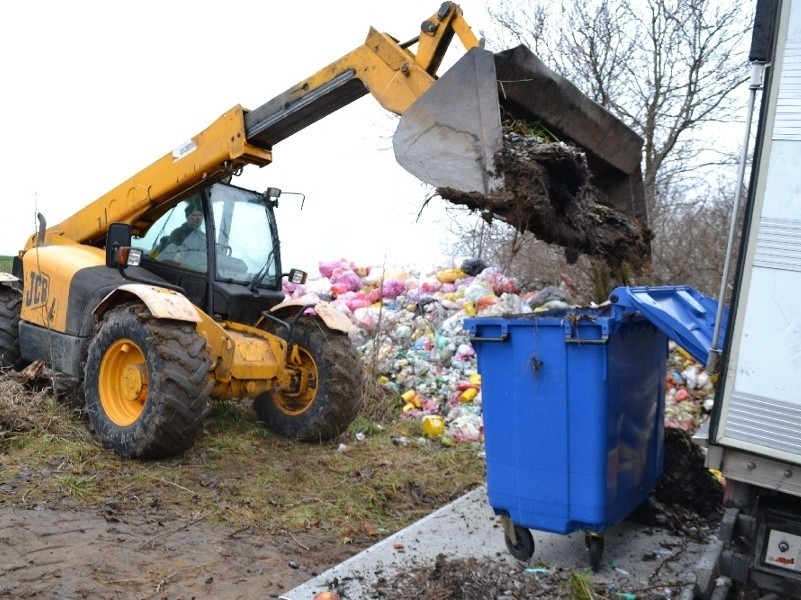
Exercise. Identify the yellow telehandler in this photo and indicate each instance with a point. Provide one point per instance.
(166, 292)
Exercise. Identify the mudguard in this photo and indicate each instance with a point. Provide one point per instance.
(330, 315)
(161, 302)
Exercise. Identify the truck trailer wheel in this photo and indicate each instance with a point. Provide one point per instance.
(146, 383)
(10, 303)
(333, 397)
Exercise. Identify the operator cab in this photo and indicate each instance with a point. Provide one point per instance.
(220, 245)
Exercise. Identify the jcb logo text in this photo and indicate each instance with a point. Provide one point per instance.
(38, 287)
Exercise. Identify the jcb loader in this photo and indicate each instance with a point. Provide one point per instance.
(155, 329)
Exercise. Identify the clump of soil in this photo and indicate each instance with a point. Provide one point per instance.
(547, 191)
(469, 579)
(472, 579)
(687, 495)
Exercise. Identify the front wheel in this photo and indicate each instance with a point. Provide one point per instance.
(523, 548)
(10, 304)
(146, 383)
(330, 399)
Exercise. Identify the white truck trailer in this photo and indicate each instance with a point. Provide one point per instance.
(755, 429)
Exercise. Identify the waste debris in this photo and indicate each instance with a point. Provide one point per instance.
(410, 334)
(689, 391)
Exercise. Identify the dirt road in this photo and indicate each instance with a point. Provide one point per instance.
(85, 554)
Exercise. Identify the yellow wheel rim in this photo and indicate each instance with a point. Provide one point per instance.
(305, 381)
(123, 382)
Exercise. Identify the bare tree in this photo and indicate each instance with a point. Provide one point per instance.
(690, 239)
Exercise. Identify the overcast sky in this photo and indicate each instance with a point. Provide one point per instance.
(95, 91)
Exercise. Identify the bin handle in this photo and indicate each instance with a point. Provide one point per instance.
(500, 338)
(572, 340)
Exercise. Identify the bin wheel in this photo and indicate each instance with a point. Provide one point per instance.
(524, 548)
(595, 545)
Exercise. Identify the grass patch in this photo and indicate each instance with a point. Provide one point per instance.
(5, 263)
(238, 472)
(582, 586)
(76, 487)
(531, 129)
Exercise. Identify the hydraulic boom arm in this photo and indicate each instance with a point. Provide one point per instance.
(448, 136)
(381, 66)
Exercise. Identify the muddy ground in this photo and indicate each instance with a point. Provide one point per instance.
(78, 553)
(69, 551)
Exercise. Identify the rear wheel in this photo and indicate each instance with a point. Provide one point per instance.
(10, 303)
(329, 402)
(595, 546)
(146, 383)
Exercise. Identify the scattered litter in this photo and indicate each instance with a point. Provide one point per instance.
(433, 425)
(410, 331)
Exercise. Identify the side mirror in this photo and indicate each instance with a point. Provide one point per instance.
(272, 194)
(297, 276)
(118, 236)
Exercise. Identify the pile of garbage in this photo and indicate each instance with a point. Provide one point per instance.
(411, 337)
(690, 391)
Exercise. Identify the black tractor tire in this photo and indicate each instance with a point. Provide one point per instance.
(10, 304)
(334, 399)
(146, 383)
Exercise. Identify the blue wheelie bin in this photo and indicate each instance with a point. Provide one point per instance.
(573, 408)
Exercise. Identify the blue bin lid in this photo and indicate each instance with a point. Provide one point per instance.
(682, 313)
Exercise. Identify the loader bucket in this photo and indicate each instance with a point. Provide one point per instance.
(449, 137)
(529, 90)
